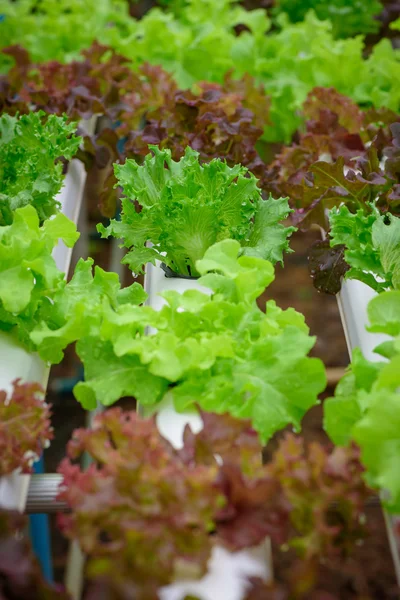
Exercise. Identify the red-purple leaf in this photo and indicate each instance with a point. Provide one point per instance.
(322, 100)
(254, 509)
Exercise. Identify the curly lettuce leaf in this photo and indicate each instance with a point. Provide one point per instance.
(384, 313)
(109, 377)
(322, 486)
(249, 276)
(222, 353)
(223, 121)
(291, 500)
(28, 274)
(268, 237)
(186, 207)
(76, 309)
(30, 172)
(92, 85)
(333, 160)
(372, 245)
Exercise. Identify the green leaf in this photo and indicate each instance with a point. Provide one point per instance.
(389, 377)
(395, 25)
(344, 410)
(221, 352)
(250, 275)
(365, 372)
(340, 415)
(222, 257)
(384, 313)
(134, 294)
(108, 377)
(56, 30)
(138, 258)
(386, 349)
(60, 227)
(377, 433)
(20, 279)
(256, 385)
(269, 238)
(199, 42)
(366, 406)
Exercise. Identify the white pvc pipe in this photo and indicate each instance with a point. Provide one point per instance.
(353, 301)
(15, 361)
(228, 572)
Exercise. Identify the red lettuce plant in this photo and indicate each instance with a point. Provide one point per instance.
(101, 83)
(25, 427)
(219, 121)
(326, 492)
(327, 496)
(336, 159)
(144, 509)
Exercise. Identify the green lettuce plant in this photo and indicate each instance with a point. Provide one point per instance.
(57, 30)
(29, 276)
(186, 207)
(371, 243)
(348, 17)
(366, 405)
(221, 352)
(30, 172)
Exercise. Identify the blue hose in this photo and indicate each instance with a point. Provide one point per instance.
(40, 535)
